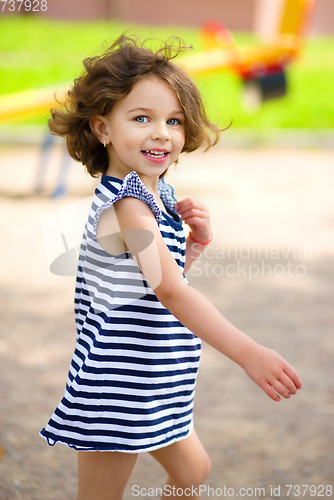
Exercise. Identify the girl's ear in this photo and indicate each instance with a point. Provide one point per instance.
(99, 127)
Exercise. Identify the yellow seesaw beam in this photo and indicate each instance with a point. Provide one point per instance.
(30, 103)
(34, 102)
(241, 60)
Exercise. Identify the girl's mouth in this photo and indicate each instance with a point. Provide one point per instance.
(155, 155)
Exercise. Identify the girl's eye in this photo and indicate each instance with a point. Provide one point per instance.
(141, 119)
(173, 121)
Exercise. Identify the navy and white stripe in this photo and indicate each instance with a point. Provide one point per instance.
(132, 378)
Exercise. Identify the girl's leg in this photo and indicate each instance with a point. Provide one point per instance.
(103, 475)
(187, 465)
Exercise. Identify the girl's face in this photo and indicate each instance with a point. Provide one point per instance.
(145, 129)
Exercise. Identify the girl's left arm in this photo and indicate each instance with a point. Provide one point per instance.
(143, 238)
(196, 215)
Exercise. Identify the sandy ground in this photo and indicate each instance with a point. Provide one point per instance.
(269, 269)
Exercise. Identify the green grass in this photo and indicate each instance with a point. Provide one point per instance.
(35, 52)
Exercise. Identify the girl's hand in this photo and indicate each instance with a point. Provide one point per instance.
(196, 215)
(272, 373)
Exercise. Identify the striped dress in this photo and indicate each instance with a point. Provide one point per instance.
(131, 382)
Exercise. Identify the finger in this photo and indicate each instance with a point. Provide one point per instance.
(288, 383)
(268, 389)
(197, 224)
(188, 203)
(193, 210)
(193, 213)
(281, 390)
(293, 375)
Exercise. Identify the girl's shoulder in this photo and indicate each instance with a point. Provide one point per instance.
(112, 189)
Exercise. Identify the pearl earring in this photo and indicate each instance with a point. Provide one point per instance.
(104, 143)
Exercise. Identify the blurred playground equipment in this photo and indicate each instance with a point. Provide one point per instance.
(284, 26)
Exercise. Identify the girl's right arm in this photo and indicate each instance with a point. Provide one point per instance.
(264, 366)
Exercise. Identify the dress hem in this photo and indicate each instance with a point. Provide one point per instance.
(53, 442)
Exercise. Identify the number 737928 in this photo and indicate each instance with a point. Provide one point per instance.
(24, 5)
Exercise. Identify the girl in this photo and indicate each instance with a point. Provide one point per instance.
(132, 378)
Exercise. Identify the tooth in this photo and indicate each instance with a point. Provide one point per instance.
(155, 154)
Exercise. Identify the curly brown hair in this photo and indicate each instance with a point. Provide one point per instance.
(110, 77)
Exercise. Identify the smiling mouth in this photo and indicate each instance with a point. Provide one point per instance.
(159, 155)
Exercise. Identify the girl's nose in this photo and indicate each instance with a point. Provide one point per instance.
(161, 132)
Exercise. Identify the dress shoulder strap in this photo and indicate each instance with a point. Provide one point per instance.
(134, 187)
(167, 194)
